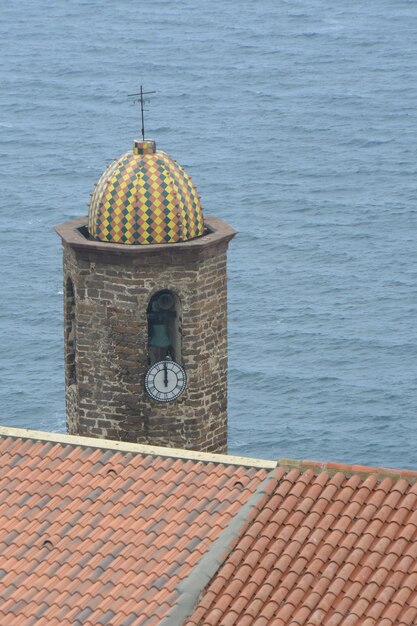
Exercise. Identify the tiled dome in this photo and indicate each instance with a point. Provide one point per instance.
(145, 197)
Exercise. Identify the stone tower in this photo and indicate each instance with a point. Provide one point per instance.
(145, 309)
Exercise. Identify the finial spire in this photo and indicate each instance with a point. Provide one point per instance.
(142, 101)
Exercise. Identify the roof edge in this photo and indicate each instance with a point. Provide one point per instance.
(362, 470)
(137, 448)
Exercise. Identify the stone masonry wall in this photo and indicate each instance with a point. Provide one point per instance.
(108, 399)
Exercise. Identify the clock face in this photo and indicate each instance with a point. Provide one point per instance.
(165, 381)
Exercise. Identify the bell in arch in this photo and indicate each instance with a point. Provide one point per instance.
(164, 327)
(159, 337)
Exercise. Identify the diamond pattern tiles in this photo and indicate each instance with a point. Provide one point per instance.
(94, 536)
(148, 146)
(334, 546)
(144, 199)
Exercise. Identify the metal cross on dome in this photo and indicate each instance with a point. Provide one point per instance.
(142, 101)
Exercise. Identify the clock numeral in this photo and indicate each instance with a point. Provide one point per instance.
(156, 385)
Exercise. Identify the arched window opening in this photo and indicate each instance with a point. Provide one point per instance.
(164, 327)
(70, 366)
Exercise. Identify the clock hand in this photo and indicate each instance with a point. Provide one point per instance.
(165, 375)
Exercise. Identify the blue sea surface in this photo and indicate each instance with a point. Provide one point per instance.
(298, 122)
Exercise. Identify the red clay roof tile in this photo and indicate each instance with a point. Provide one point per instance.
(409, 616)
(353, 560)
(101, 536)
(97, 528)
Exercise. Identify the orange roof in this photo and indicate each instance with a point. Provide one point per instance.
(335, 545)
(96, 532)
(96, 536)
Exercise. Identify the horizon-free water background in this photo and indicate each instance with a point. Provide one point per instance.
(297, 120)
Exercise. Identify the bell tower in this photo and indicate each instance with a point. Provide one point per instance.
(145, 308)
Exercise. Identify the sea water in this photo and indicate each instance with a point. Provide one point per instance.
(297, 120)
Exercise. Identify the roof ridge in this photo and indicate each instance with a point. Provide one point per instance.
(362, 470)
(189, 589)
(135, 448)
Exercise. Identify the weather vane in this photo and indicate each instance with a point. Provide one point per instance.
(142, 101)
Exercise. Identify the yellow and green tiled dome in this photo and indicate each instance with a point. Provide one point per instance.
(145, 197)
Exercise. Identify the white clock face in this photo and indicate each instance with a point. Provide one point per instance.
(165, 381)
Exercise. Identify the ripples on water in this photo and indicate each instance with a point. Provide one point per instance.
(298, 123)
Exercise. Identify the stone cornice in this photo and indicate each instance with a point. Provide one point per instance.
(214, 241)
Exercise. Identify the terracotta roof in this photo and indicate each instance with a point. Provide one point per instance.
(334, 545)
(98, 536)
(97, 532)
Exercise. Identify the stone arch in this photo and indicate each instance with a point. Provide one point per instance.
(164, 317)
